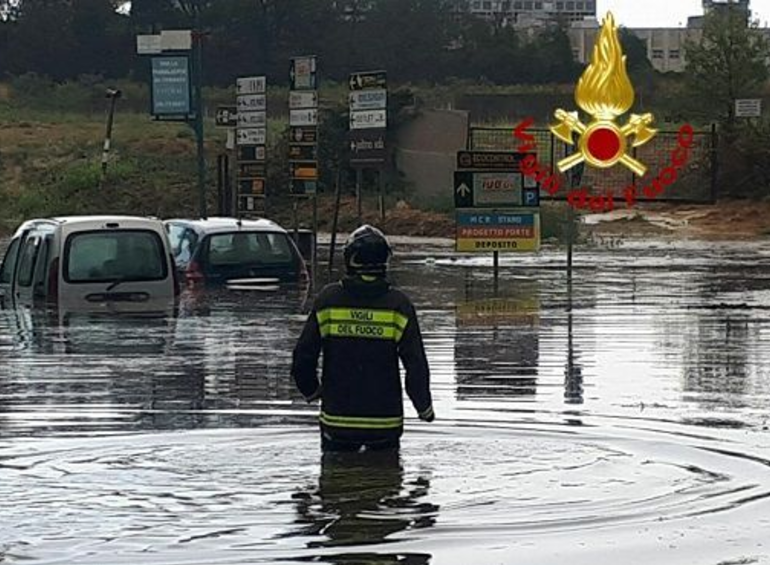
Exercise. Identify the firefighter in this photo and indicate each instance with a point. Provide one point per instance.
(363, 326)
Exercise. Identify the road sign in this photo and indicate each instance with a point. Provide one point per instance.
(503, 231)
(252, 103)
(252, 119)
(304, 171)
(251, 153)
(254, 186)
(490, 160)
(303, 134)
(176, 40)
(372, 79)
(148, 45)
(367, 146)
(368, 100)
(171, 80)
(248, 203)
(227, 116)
(251, 170)
(301, 187)
(252, 136)
(303, 73)
(303, 152)
(476, 189)
(748, 108)
(308, 117)
(369, 119)
(250, 85)
(303, 99)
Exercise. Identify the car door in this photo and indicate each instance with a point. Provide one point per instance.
(25, 271)
(7, 270)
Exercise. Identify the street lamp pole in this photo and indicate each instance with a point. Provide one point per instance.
(113, 95)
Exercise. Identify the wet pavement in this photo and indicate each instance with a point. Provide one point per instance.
(624, 416)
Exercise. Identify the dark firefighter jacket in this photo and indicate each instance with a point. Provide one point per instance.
(363, 329)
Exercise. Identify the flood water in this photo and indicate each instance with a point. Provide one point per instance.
(623, 418)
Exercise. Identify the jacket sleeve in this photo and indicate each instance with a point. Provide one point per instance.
(412, 353)
(304, 368)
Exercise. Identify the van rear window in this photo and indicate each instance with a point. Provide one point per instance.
(250, 248)
(115, 255)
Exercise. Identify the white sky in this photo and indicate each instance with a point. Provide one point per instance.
(667, 13)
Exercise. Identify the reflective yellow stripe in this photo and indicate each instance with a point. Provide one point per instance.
(362, 322)
(361, 423)
(363, 315)
(365, 331)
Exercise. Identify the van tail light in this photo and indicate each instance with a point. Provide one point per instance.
(194, 274)
(53, 282)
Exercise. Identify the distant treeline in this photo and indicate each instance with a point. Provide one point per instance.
(414, 40)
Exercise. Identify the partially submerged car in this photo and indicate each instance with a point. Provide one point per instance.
(235, 253)
(88, 261)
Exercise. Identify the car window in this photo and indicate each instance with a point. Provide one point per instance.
(105, 256)
(175, 234)
(252, 248)
(6, 271)
(41, 265)
(26, 265)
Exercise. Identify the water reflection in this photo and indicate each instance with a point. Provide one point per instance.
(362, 499)
(497, 342)
(573, 371)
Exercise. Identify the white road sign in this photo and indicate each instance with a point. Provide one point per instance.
(252, 119)
(748, 108)
(303, 99)
(369, 100)
(252, 136)
(252, 103)
(303, 117)
(176, 40)
(369, 119)
(250, 85)
(148, 44)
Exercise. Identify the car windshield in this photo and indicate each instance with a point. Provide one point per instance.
(114, 256)
(250, 248)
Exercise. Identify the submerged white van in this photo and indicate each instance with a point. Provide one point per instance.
(87, 261)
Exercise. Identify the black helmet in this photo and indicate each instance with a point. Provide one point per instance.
(367, 252)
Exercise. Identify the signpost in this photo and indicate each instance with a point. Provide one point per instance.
(251, 139)
(176, 89)
(498, 209)
(226, 117)
(303, 141)
(368, 101)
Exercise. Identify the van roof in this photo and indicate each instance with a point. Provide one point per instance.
(222, 225)
(82, 220)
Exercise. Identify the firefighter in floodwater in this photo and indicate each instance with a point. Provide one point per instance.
(363, 326)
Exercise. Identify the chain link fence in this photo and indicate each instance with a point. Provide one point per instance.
(696, 181)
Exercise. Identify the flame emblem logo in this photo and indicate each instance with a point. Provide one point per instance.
(605, 93)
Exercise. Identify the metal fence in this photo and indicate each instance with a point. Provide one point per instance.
(696, 182)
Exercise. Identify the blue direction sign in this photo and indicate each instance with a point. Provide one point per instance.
(171, 87)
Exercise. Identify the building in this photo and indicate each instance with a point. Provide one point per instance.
(524, 13)
(665, 46)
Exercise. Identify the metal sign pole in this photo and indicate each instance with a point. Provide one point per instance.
(333, 244)
(315, 241)
(199, 131)
(380, 195)
(359, 204)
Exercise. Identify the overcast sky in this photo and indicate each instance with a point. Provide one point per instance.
(667, 13)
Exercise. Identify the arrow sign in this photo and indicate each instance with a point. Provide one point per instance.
(463, 190)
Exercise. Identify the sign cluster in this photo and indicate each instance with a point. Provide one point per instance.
(251, 139)
(303, 125)
(368, 118)
(497, 205)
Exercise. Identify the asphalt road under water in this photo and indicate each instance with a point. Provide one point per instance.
(624, 418)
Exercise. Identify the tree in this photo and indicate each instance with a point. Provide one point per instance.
(729, 62)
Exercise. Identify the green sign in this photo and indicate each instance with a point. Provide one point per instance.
(171, 96)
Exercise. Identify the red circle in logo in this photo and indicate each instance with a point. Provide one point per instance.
(604, 144)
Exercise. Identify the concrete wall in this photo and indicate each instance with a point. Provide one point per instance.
(427, 154)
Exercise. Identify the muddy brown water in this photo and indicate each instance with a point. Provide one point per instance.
(624, 419)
